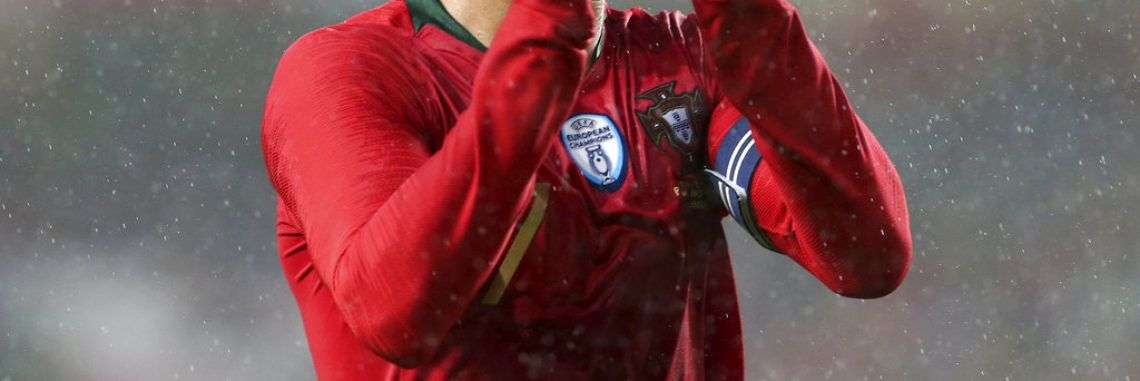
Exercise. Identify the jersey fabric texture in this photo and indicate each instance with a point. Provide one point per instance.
(447, 211)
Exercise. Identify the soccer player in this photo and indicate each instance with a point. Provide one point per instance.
(507, 189)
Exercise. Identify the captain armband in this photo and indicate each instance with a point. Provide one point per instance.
(731, 174)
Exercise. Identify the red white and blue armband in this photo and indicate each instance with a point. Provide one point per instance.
(733, 167)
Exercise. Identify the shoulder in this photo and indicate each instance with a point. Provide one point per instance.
(366, 56)
(360, 70)
(377, 36)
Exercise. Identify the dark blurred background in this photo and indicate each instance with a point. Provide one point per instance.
(136, 221)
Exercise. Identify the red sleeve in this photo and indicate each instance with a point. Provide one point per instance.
(825, 193)
(405, 237)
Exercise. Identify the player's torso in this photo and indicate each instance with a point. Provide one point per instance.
(626, 225)
(611, 282)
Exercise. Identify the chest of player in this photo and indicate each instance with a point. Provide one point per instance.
(622, 206)
(634, 142)
(627, 206)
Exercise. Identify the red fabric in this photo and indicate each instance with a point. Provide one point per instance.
(825, 191)
(404, 159)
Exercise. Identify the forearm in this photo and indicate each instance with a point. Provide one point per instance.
(766, 66)
(844, 203)
(405, 238)
(444, 229)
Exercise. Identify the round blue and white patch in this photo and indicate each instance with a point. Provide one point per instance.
(596, 146)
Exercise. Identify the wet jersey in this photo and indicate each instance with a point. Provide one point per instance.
(448, 211)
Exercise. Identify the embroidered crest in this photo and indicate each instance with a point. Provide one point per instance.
(597, 148)
(679, 117)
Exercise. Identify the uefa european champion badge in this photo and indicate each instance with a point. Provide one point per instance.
(596, 146)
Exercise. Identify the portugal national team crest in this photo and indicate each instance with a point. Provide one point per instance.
(596, 146)
(677, 117)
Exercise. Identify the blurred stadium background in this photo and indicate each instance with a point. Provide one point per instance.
(136, 222)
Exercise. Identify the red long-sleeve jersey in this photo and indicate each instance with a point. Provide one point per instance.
(447, 211)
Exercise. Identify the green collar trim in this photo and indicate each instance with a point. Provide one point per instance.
(433, 12)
